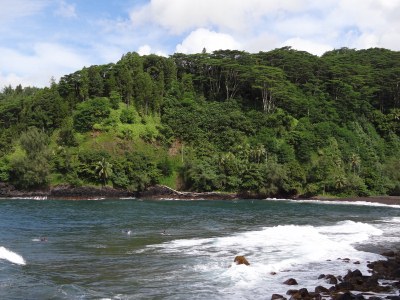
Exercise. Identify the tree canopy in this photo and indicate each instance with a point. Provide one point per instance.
(282, 122)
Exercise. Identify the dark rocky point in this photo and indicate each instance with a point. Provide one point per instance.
(354, 285)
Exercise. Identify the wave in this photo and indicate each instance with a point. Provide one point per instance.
(29, 198)
(11, 256)
(342, 202)
(304, 250)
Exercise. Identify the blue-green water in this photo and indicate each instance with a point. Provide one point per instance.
(116, 249)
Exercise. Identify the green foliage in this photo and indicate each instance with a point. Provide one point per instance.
(32, 167)
(115, 99)
(4, 170)
(282, 122)
(135, 172)
(66, 135)
(127, 116)
(90, 112)
(104, 171)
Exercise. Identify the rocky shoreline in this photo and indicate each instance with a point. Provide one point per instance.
(65, 192)
(156, 192)
(384, 279)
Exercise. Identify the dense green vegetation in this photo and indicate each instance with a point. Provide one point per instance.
(282, 122)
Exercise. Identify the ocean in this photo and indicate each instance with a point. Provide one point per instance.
(142, 249)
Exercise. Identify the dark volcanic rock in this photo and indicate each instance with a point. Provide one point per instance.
(331, 279)
(65, 192)
(290, 281)
(348, 296)
(388, 270)
(277, 297)
(86, 192)
(321, 289)
(8, 191)
(303, 294)
(291, 292)
(389, 253)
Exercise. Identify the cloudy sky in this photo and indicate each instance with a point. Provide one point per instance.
(44, 38)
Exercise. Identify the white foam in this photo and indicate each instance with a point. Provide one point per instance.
(30, 198)
(302, 252)
(11, 256)
(343, 202)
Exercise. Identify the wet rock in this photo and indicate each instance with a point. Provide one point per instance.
(352, 274)
(278, 297)
(291, 292)
(348, 296)
(303, 294)
(344, 286)
(331, 279)
(321, 289)
(290, 281)
(87, 192)
(385, 279)
(389, 253)
(241, 260)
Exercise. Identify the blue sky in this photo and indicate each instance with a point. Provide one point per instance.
(40, 39)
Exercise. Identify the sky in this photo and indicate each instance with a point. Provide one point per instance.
(44, 39)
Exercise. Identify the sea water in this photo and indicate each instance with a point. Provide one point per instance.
(142, 249)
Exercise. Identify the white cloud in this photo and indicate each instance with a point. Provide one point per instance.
(178, 16)
(37, 68)
(33, 50)
(144, 50)
(13, 9)
(306, 45)
(204, 38)
(11, 79)
(309, 25)
(66, 10)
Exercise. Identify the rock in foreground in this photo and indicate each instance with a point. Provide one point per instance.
(241, 260)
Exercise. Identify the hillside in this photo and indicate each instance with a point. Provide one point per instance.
(282, 122)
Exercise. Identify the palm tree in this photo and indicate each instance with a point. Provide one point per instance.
(355, 162)
(104, 171)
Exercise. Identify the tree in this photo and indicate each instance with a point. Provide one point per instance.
(269, 81)
(90, 112)
(31, 168)
(96, 84)
(355, 163)
(104, 171)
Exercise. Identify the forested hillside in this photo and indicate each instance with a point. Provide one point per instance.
(282, 122)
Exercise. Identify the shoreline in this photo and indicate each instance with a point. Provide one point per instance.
(161, 192)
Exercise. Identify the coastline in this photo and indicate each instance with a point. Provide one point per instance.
(161, 192)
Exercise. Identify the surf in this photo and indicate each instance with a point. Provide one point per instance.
(11, 256)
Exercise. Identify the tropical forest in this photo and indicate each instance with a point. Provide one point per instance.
(282, 123)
